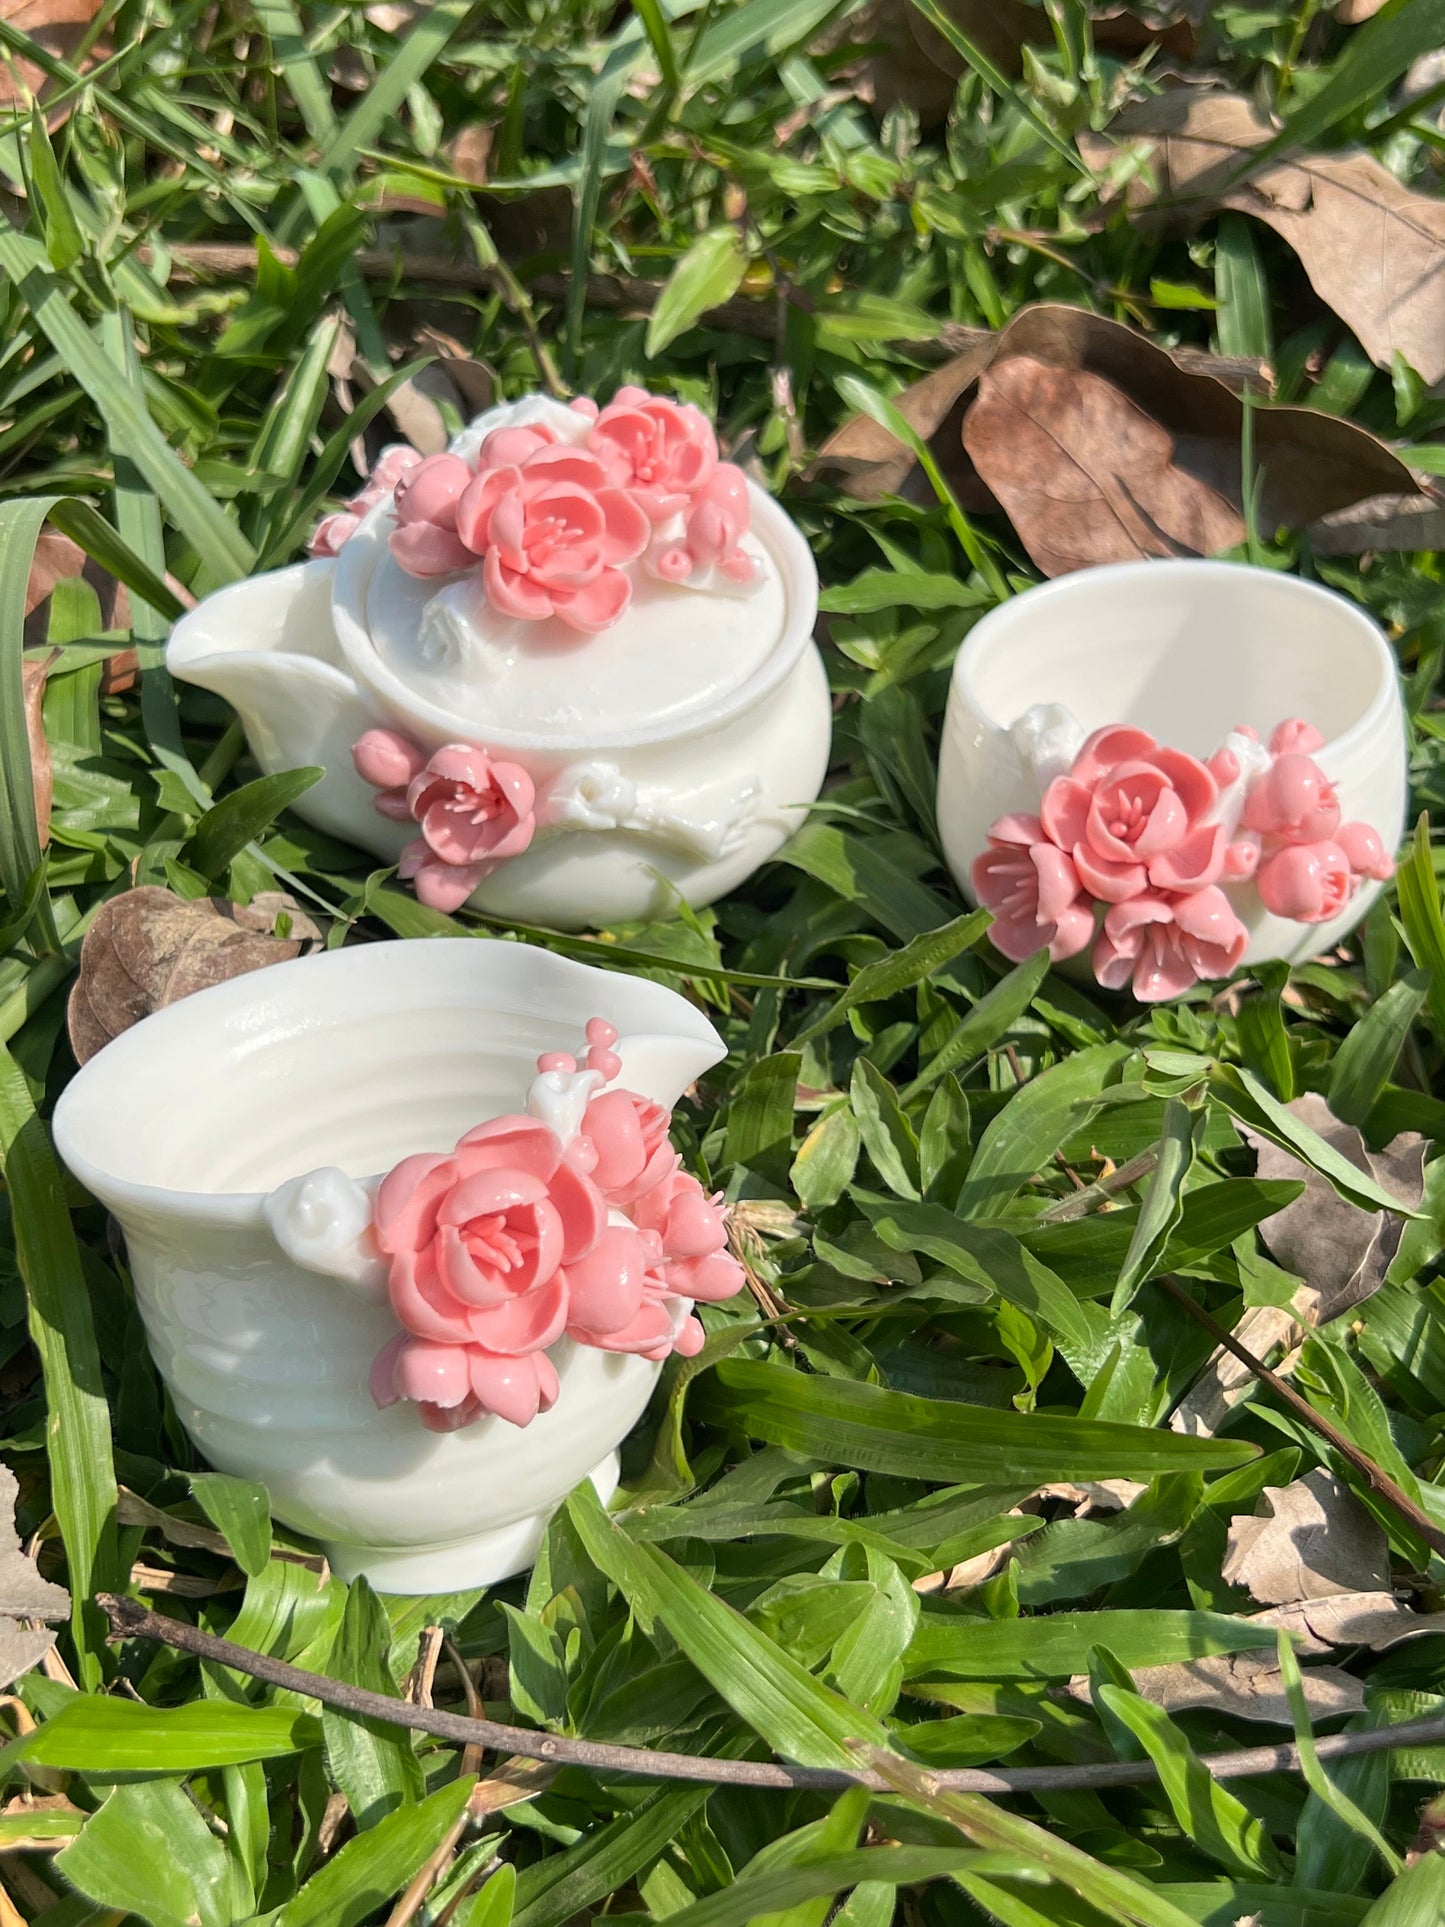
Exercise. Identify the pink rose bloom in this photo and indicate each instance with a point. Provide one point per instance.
(425, 540)
(1307, 882)
(1133, 815)
(606, 1287)
(1162, 945)
(333, 532)
(478, 1242)
(474, 813)
(1032, 889)
(1293, 802)
(663, 452)
(553, 536)
(630, 1137)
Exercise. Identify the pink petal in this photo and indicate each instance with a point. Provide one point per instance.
(386, 759)
(1018, 937)
(599, 605)
(1295, 735)
(408, 1198)
(1209, 916)
(474, 510)
(514, 1143)
(626, 531)
(513, 593)
(431, 1372)
(1064, 812)
(1016, 828)
(1364, 852)
(604, 1288)
(1189, 779)
(1196, 861)
(1074, 928)
(1114, 743)
(513, 1388)
(709, 1279)
(526, 1324)
(430, 491)
(1163, 971)
(1058, 881)
(1113, 965)
(425, 550)
(1111, 882)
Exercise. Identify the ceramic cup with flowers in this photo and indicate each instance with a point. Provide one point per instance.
(563, 671)
(1161, 771)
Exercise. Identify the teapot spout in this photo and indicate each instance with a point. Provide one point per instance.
(268, 646)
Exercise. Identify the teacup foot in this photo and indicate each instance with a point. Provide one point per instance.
(460, 1564)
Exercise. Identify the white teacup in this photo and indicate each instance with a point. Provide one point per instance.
(1187, 651)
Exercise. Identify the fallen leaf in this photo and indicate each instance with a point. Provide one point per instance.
(1373, 249)
(1341, 1252)
(1311, 1539)
(1391, 523)
(58, 559)
(1245, 1686)
(148, 948)
(1375, 1619)
(1226, 1379)
(58, 26)
(33, 671)
(1084, 474)
(23, 1594)
(1350, 13)
(1311, 464)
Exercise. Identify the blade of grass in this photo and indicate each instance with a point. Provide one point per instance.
(998, 82)
(193, 508)
(436, 24)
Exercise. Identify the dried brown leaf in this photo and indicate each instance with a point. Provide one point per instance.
(1341, 1252)
(1312, 1539)
(148, 948)
(58, 559)
(23, 1594)
(58, 26)
(1226, 1380)
(33, 671)
(1245, 1686)
(1373, 249)
(1311, 464)
(1085, 475)
(1374, 1619)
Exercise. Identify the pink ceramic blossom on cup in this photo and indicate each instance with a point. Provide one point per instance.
(1033, 890)
(425, 540)
(334, 531)
(1135, 816)
(474, 810)
(1160, 946)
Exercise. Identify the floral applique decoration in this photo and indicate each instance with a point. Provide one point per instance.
(573, 1219)
(1131, 847)
(555, 524)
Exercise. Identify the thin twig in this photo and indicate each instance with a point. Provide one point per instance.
(1080, 1203)
(130, 1620)
(1393, 1495)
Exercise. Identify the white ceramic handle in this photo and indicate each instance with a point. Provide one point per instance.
(322, 1221)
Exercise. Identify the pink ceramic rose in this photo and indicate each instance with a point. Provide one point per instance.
(1032, 888)
(474, 810)
(1135, 816)
(1161, 946)
(553, 536)
(477, 1242)
(662, 451)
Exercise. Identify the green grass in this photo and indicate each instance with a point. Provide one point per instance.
(939, 1339)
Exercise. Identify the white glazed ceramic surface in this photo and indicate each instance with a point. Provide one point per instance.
(1185, 650)
(689, 738)
(356, 1058)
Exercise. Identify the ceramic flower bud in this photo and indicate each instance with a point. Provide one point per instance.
(590, 600)
(1127, 781)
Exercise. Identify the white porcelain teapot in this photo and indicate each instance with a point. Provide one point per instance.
(660, 728)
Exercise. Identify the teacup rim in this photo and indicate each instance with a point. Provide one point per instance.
(986, 630)
(135, 1048)
(771, 522)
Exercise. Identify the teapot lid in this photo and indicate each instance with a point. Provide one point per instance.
(563, 570)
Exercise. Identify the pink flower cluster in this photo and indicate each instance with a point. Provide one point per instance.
(473, 810)
(516, 1239)
(555, 524)
(334, 531)
(1148, 834)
